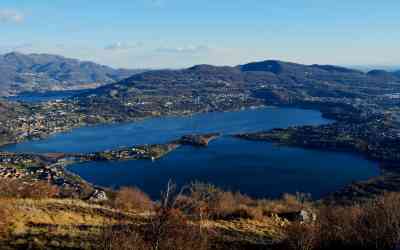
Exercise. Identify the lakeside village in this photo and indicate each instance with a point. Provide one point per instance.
(43, 119)
(370, 126)
(51, 167)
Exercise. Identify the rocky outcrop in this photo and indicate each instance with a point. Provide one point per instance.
(199, 140)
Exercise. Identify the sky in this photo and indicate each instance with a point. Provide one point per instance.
(181, 33)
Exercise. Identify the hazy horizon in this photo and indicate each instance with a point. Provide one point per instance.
(178, 34)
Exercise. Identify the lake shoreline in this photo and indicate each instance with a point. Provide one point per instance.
(289, 113)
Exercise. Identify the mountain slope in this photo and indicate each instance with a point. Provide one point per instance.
(397, 73)
(255, 75)
(203, 88)
(9, 113)
(41, 72)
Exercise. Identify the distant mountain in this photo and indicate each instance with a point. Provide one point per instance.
(208, 87)
(382, 74)
(280, 67)
(41, 72)
(321, 80)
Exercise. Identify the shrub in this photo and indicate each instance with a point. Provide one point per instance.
(372, 225)
(340, 227)
(211, 202)
(205, 201)
(239, 213)
(123, 238)
(31, 190)
(244, 200)
(5, 217)
(170, 230)
(132, 199)
(381, 222)
(302, 236)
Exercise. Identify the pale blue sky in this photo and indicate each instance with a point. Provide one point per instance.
(179, 33)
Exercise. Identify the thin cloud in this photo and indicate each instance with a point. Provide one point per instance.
(121, 46)
(156, 3)
(22, 46)
(12, 16)
(184, 50)
(16, 47)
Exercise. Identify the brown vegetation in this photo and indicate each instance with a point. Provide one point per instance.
(5, 219)
(23, 190)
(200, 216)
(167, 228)
(129, 199)
(373, 225)
(206, 201)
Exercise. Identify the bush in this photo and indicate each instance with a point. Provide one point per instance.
(209, 202)
(5, 217)
(167, 228)
(31, 190)
(239, 213)
(170, 230)
(128, 199)
(122, 239)
(381, 222)
(373, 225)
(302, 236)
(340, 227)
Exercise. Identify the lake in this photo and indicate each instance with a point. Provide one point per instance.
(259, 169)
(35, 97)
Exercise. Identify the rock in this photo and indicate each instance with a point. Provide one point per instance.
(98, 195)
(198, 140)
(55, 243)
(299, 216)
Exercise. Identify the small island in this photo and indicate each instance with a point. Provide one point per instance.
(51, 167)
(198, 140)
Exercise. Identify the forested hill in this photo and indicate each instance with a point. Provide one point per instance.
(42, 72)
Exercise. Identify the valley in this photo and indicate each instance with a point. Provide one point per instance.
(366, 117)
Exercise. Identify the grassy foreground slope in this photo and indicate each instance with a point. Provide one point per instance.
(200, 217)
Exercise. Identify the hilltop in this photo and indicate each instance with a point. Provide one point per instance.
(209, 88)
(42, 72)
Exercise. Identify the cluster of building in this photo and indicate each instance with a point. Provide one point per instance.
(46, 118)
(11, 172)
(51, 174)
(121, 154)
(32, 168)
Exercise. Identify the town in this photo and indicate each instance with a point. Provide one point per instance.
(51, 167)
(365, 119)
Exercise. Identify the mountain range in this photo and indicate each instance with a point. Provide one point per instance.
(278, 79)
(42, 72)
(203, 88)
(327, 80)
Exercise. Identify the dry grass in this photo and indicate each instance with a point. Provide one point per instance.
(33, 190)
(69, 223)
(51, 212)
(288, 203)
(205, 217)
(256, 232)
(206, 201)
(372, 225)
(5, 217)
(132, 199)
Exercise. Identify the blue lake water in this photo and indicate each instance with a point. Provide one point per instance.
(34, 97)
(259, 169)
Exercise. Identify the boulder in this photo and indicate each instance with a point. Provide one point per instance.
(98, 195)
(298, 216)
